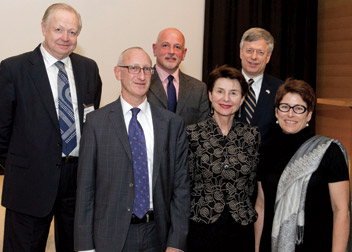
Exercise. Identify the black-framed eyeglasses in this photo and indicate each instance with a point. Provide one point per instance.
(298, 109)
(137, 69)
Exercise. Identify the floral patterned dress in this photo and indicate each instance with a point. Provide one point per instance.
(222, 173)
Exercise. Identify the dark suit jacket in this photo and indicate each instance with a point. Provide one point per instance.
(264, 115)
(192, 103)
(105, 189)
(30, 138)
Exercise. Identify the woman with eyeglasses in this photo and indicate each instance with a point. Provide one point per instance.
(303, 189)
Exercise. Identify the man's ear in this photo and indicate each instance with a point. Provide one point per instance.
(117, 71)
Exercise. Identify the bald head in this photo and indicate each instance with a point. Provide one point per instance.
(169, 49)
(134, 85)
(174, 31)
(126, 53)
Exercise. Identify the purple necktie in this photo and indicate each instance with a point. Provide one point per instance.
(140, 166)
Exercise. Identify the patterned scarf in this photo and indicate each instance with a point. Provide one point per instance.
(288, 224)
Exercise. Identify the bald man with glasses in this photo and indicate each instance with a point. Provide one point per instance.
(133, 188)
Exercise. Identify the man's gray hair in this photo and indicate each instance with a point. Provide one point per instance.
(256, 33)
(61, 6)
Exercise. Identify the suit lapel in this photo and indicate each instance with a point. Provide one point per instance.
(159, 125)
(183, 92)
(40, 79)
(79, 76)
(118, 122)
(264, 98)
(157, 89)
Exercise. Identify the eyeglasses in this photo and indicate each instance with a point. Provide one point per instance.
(137, 69)
(298, 109)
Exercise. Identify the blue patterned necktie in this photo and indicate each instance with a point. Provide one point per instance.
(250, 103)
(171, 94)
(140, 166)
(66, 114)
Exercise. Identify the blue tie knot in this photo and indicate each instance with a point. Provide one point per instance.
(135, 111)
(170, 79)
(60, 65)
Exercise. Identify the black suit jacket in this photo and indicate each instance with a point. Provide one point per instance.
(30, 139)
(192, 103)
(105, 184)
(264, 115)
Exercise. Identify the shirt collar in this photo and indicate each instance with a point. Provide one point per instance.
(50, 60)
(126, 107)
(163, 74)
(256, 79)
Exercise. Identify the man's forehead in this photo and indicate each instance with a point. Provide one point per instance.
(259, 42)
(136, 57)
(171, 36)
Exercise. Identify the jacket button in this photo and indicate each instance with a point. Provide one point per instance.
(129, 209)
(226, 166)
(131, 184)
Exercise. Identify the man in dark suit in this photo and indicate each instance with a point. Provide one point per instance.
(191, 94)
(108, 217)
(39, 137)
(256, 47)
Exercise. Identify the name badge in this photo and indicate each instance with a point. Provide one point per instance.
(87, 109)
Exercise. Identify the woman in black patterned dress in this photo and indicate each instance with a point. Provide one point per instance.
(223, 156)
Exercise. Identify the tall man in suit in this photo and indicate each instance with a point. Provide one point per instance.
(108, 215)
(256, 47)
(170, 88)
(43, 103)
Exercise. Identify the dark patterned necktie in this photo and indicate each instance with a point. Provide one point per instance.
(140, 166)
(171, 94)
(250, 103)
(66, 114)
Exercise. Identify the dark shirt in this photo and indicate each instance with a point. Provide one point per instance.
(318, 211)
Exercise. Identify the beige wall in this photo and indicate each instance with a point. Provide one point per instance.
(109, 27)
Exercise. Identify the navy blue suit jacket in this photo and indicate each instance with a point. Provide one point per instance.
(264, 115)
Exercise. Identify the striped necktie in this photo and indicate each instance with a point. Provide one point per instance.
(250, 103)
(66, 113)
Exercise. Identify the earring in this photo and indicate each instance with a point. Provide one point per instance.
(307, 124)
(277, 122)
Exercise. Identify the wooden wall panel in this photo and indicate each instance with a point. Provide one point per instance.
(334, 69)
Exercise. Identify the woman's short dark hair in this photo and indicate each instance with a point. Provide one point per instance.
(226, 71)
(299, 87)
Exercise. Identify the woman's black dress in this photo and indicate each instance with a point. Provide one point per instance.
(318, 211)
